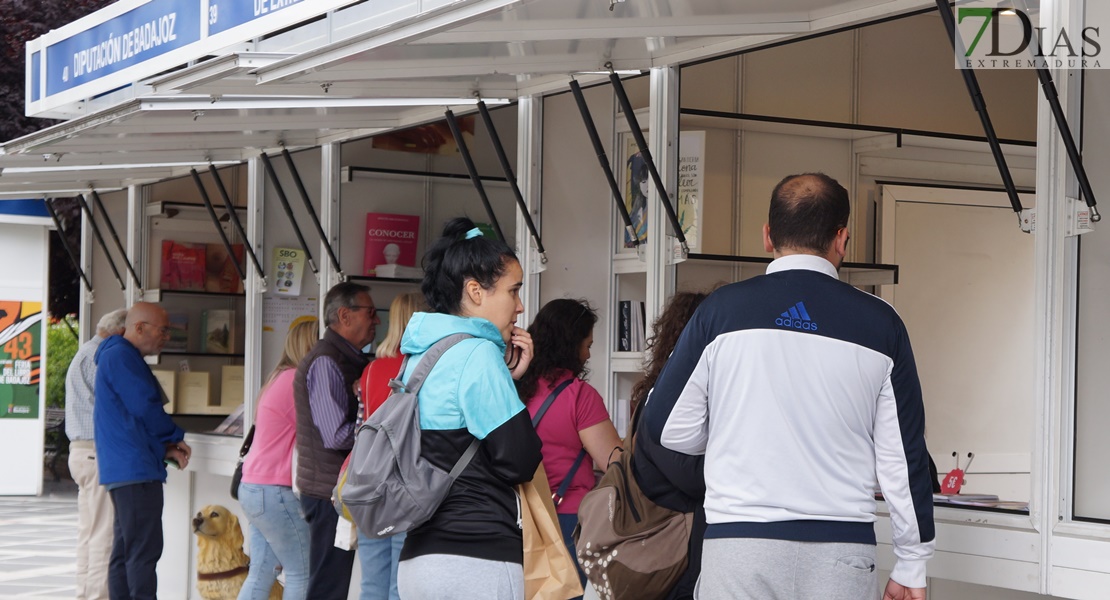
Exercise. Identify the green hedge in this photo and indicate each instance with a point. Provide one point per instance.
(61, 346)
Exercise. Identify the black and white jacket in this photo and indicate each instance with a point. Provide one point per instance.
(802, 394)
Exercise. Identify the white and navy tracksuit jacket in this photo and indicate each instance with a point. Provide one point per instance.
(802, 393)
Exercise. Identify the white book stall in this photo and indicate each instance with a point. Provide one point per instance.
(322, 147)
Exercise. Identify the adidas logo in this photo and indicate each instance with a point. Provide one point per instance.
(797, 318)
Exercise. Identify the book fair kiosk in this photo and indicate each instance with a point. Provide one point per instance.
(235, 160)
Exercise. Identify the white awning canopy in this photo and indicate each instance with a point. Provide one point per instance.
(358, 72)
(540, 44)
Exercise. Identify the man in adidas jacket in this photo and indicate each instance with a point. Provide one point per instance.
(802, 393)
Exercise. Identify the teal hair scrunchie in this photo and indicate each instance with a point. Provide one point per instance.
(473, 233)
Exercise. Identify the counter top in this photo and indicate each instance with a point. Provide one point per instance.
(213, 453)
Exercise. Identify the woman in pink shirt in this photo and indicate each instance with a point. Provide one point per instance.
(278, 531)
(576, 422)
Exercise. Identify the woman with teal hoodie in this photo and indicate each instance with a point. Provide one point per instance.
(471, 547)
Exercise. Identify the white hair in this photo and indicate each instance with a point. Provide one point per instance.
(112, 323)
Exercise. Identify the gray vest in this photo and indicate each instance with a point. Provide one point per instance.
(317, 466)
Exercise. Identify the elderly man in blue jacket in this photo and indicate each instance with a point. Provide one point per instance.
(135, 439)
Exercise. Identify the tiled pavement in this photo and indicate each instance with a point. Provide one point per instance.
(38, 536)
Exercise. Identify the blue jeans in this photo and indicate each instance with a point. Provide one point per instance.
(278, 540)
(378, 560)
(136, 542)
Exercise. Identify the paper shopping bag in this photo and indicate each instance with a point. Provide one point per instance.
(549, 571)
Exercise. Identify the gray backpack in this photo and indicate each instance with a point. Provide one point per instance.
(386, 487)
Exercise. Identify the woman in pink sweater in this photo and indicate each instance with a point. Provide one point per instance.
(278, 531)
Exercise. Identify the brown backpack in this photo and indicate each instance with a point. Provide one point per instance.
(629, 547)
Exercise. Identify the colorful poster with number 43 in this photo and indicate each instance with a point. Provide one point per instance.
(20, 359)
(288, 271)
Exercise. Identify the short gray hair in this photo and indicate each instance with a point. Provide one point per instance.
(112, 323)
(341, 295)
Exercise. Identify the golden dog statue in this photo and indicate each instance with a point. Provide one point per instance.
(222, 565)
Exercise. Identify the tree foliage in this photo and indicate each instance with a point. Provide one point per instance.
(61, 339)
(20, 22)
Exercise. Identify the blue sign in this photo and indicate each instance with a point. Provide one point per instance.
(24, 208)
(225, 14)
(129, 39)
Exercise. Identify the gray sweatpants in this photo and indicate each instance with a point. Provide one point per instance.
(450, 577)
(758, 569)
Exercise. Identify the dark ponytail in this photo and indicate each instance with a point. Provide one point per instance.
(461, 253)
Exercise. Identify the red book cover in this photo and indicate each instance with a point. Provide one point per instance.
(220, 272)
(182, 266)
(390, 240)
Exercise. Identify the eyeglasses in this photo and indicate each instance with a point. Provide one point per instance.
(163, 330)
(373, 311)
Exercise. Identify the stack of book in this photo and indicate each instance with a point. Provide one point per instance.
(631, 327)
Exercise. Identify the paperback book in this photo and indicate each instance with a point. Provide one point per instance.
(179, 332)
(391, 239)
(218, 331)
(183, 266)
(221, 275)
(631, 327)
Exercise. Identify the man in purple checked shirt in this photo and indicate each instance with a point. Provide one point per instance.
(326, 405)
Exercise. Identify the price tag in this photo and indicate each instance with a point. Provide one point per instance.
(952, 482)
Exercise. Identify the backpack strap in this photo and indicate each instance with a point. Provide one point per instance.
(464, 460)
(416, 380)
(427, 361)
(550, 398)
(557, 497)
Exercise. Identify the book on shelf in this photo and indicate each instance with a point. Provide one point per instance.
(962, 498)
(183, 266)
(179, 331)
(221, 274)
(231, 389)
(636, 337)
(192, 393)
(217, 331)
(391, 239)
(624, 327)
(167, 379)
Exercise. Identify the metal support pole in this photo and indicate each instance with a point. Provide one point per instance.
(65, 244)
(289, 212)
(235, 218)
(100, 239)
(112, 231)
(603, 160)
(470, 168)
(508, 170)
(1053, 98)
(972, 84)
(642, 144)
(311, 211)
(216, 223)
